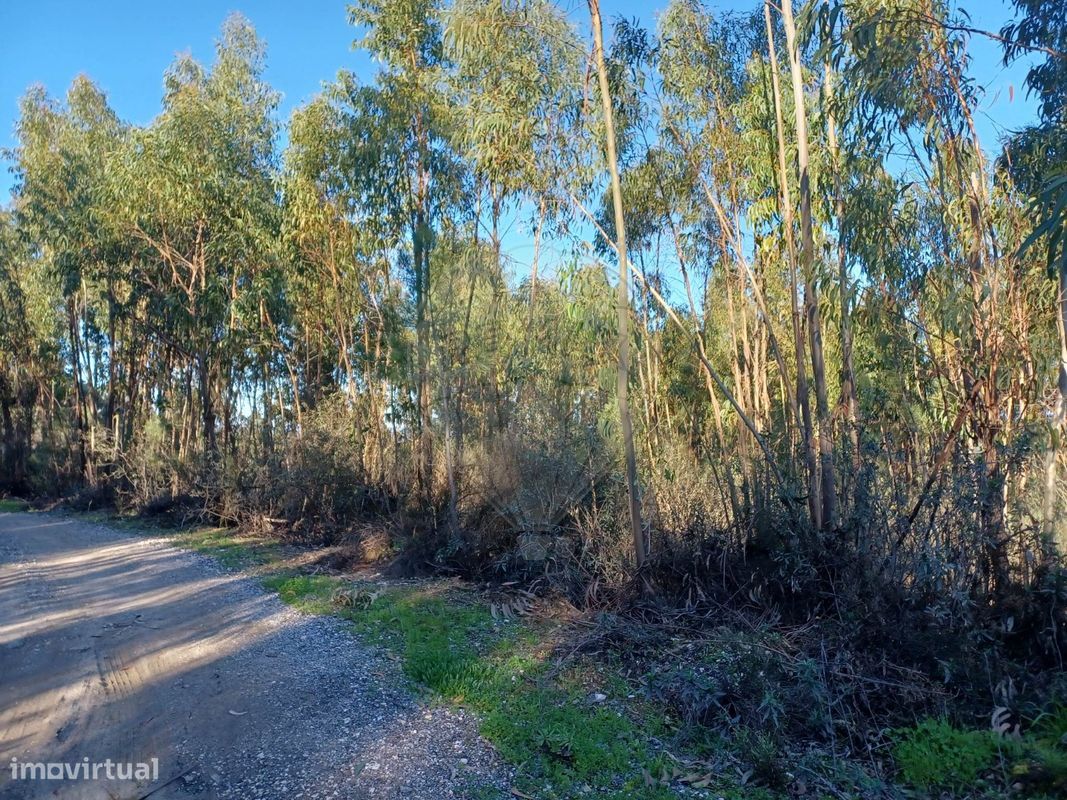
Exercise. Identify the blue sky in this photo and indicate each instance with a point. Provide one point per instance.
(125, 46)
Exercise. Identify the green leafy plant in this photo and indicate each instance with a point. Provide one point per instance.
(935, 755)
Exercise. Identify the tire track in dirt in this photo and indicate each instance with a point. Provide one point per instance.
(119, 647)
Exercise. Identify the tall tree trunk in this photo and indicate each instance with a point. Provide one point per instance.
(786, 203)
(536, 256)
(207, 405)
(811, 297)
(422, 346)
(1059, 419)
(623, 300)
(81, 414)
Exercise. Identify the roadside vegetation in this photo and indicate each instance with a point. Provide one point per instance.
(742, 473)
(602, 705)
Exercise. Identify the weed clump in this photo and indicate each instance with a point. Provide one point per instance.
(936, 755)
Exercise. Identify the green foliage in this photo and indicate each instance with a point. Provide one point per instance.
(229, 548)
(1051, 726)
(515, 72)
(310, 593)
(437, 640)
(935, 755)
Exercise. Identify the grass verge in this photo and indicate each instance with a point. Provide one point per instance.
(588, 731)
(563, 741)
(564, 738)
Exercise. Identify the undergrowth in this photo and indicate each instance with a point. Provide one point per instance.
(934, 756)
(597, 728)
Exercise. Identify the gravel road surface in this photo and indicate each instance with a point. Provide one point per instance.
(119, 647)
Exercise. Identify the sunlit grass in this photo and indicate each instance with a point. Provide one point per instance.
(221, 543)
(560, 741)
(937, 756)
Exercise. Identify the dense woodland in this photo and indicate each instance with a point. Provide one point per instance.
(787, 335)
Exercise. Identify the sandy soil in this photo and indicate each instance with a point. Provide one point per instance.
(120, 647)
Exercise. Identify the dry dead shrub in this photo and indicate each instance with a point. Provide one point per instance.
(536, 480)
(684, 495)
(374, 541)
(312, 484)
(535, 483)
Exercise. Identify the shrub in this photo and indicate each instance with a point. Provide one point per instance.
(536, 482)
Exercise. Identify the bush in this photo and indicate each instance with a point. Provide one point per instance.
(536, 482)
(314, 484)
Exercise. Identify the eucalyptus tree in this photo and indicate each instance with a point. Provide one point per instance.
(340, 283)
(196, 189)
(623, 301)
(849, 399)
(699, 174)
(31, 370)
(400, 131)
(516, 76)
(828, 491)
(321, 240)
(1036, 159)
(62, 166)
(711, 102)
(786, 212)
(961, 289)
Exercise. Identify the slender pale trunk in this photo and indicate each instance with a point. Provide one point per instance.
(672, 314)
(741, 364)
(811, 298)
(1059, 420)
(80, 415)
(716, 408)
(986, 422)
(623, 297)
(536, 256)
(786, 203)
(207, 405)
(422, 347)
(645, 369)
(420, 246)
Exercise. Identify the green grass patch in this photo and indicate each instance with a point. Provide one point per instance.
(231, 550)
(13, 504)
(934, 755)
(561, 741)
(440, 641)
(309, 593)
(1042, 766)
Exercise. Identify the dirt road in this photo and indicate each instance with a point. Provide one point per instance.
(124, 648)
